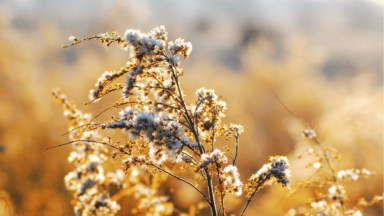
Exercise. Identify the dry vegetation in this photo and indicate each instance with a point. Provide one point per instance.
(346, 115)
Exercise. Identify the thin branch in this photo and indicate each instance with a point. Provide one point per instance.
(191, 157)
(295, 191)
(222, 195)
(183, 102)
(104, 112)
(209, 180)
(333, 171)
(160, 83)
(291, 112)
(74, 141)
(166, 89)
(166, 105)
(237, 146)
(180, 123)
(188, 146)
(250, 199)
(77, 128)
(197, 107)
(213, 135)
(76, 42)
(111, 90)
(181, 179)
(326, 156)
(211, 194)
(89, 123)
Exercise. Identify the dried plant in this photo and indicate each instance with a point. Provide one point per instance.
(88, 180)
(161, 129)
(327, 175)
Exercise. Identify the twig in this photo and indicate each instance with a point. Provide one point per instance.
(213, 135)
(188, 146)
(111, 90)
(160, 83)
(166, 105)
(237, 146)
(317, 141)
(209, 180)
(292, 113)
(74, 141)
(333, 171)
(250, 199)
(181, 179)
(222, 195)
(180, 123)
(76, 128)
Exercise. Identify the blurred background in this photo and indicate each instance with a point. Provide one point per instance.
(324, 59)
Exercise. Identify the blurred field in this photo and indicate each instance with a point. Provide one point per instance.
(324, 60)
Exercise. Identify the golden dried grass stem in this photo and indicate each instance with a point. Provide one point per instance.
(323, 150)
(333, 171)
(181, 179)
(237, 147)
(250, 199)
(209, 179)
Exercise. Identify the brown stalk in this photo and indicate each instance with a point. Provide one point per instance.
(212, 203)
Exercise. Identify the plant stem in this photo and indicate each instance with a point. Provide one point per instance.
(250, 199)
(237, 147)
(317, 141)
(326, 156)
(222, 195)
(181, 179)
(212, 203)
(213, 135)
